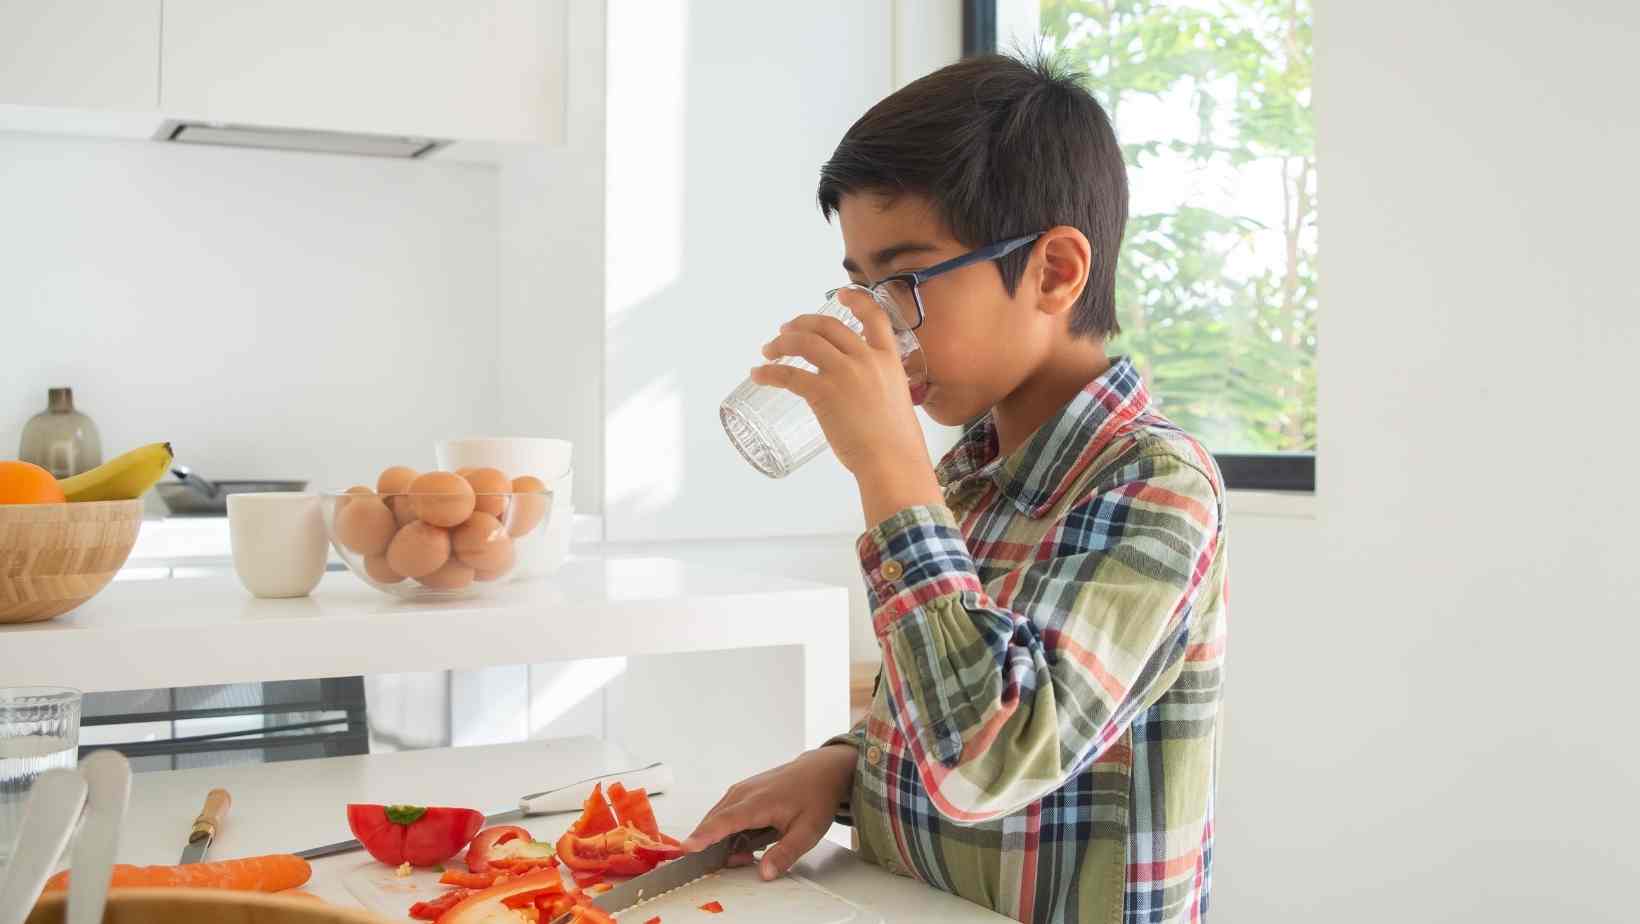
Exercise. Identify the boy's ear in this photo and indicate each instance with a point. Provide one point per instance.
(1064, 255)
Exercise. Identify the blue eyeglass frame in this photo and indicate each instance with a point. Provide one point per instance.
(916, 278)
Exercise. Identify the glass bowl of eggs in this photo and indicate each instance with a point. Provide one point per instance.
(435, 535)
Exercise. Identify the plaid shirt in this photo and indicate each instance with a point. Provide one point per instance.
(1044, 735)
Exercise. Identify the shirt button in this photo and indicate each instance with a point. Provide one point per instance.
(892, 570)
(874, 755)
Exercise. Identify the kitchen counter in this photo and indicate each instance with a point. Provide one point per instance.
(299, 804)
(146, 634)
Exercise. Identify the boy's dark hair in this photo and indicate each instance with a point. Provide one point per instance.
(1004, 148)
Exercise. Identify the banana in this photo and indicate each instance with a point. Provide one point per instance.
(124, 478)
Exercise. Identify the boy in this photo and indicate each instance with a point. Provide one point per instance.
(1050, 600)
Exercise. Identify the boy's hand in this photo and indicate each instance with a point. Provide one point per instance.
(862, 399)
(798, 799)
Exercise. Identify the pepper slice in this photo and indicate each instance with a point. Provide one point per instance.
(632, 808)
(478, 854)
(433, 910)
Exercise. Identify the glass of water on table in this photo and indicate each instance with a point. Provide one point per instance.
(39, 731)
(774, 429)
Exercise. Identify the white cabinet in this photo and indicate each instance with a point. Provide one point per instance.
(86, 54)
(476, 69)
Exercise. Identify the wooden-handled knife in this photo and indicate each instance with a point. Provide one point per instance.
(217, 803)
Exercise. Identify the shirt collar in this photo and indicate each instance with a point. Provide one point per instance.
(1036, 475)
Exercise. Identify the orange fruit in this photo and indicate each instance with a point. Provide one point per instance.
(26, 483)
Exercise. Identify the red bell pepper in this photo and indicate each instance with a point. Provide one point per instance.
(478, 853)
(413, 834)
(632, 808)
(712, 907)
(596, 818)
(481, 906)
(433, 910)
(526, 899)
(466, 880)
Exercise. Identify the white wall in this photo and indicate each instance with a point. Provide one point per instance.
(271, 314)
(718, 124)
(551, 361)
(1430, 706)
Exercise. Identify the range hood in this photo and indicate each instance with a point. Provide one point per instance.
(296, 139)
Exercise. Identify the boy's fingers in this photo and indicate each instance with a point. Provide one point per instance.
(810, 346)
(793, 844)
(879, 333)
(742, 816)
(836, 332)
(741, 859)
(797, 381)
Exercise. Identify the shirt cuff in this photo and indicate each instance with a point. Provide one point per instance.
(856, 739)
(912, 558)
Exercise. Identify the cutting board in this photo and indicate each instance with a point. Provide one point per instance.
(746, 899)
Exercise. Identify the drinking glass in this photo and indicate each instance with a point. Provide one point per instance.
(39, 731)
(773, 428)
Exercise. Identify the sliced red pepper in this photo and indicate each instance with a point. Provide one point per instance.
(654, 920)
(433, 910)
(713, 907)
(587, 877)
(657, 853)
(591, 914)
(517, 865)
(551, 906)
(478, 854)
(414, 834)
(596, 817)
(525, 899)
(466, 880)
(633, 808)
(598, 888)
(482, 906)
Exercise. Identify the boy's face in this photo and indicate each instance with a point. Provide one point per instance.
(979, 342)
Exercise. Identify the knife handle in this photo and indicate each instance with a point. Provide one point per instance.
(217, 803)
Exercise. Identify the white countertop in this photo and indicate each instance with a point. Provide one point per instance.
(300, 804)
(146, 634)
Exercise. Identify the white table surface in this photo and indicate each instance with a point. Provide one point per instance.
(147, 634)
(300, 804)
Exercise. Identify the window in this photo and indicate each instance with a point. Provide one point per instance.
(1216, 290)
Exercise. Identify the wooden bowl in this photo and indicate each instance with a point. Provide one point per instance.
(206, 906)
(54, 557)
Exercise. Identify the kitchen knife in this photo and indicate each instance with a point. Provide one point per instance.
(680, 872)
(217, 803)
(655, 778)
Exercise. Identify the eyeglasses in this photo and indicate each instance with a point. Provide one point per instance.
(903, 291)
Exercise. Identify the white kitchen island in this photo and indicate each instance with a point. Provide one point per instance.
(300, 804)
(700, 654)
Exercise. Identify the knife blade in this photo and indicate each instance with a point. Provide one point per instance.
(680, 872)
(217, 803)
(655, 777)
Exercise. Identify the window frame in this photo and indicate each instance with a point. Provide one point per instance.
(1243, 471)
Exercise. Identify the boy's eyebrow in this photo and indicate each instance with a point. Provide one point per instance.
(888, 254)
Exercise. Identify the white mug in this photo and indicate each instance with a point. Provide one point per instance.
(279, 545)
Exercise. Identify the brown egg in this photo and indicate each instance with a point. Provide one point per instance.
(419, 549)
(380, 571)
(482, 543)
(343, 498)
(404, 509)
(364, 525)
(464, 472)
(488, 575)
(492, 482)
(453, 576)
(443, 498)
(396, 480)
(529, 506)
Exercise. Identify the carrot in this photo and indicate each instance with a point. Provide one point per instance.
(272, 873)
